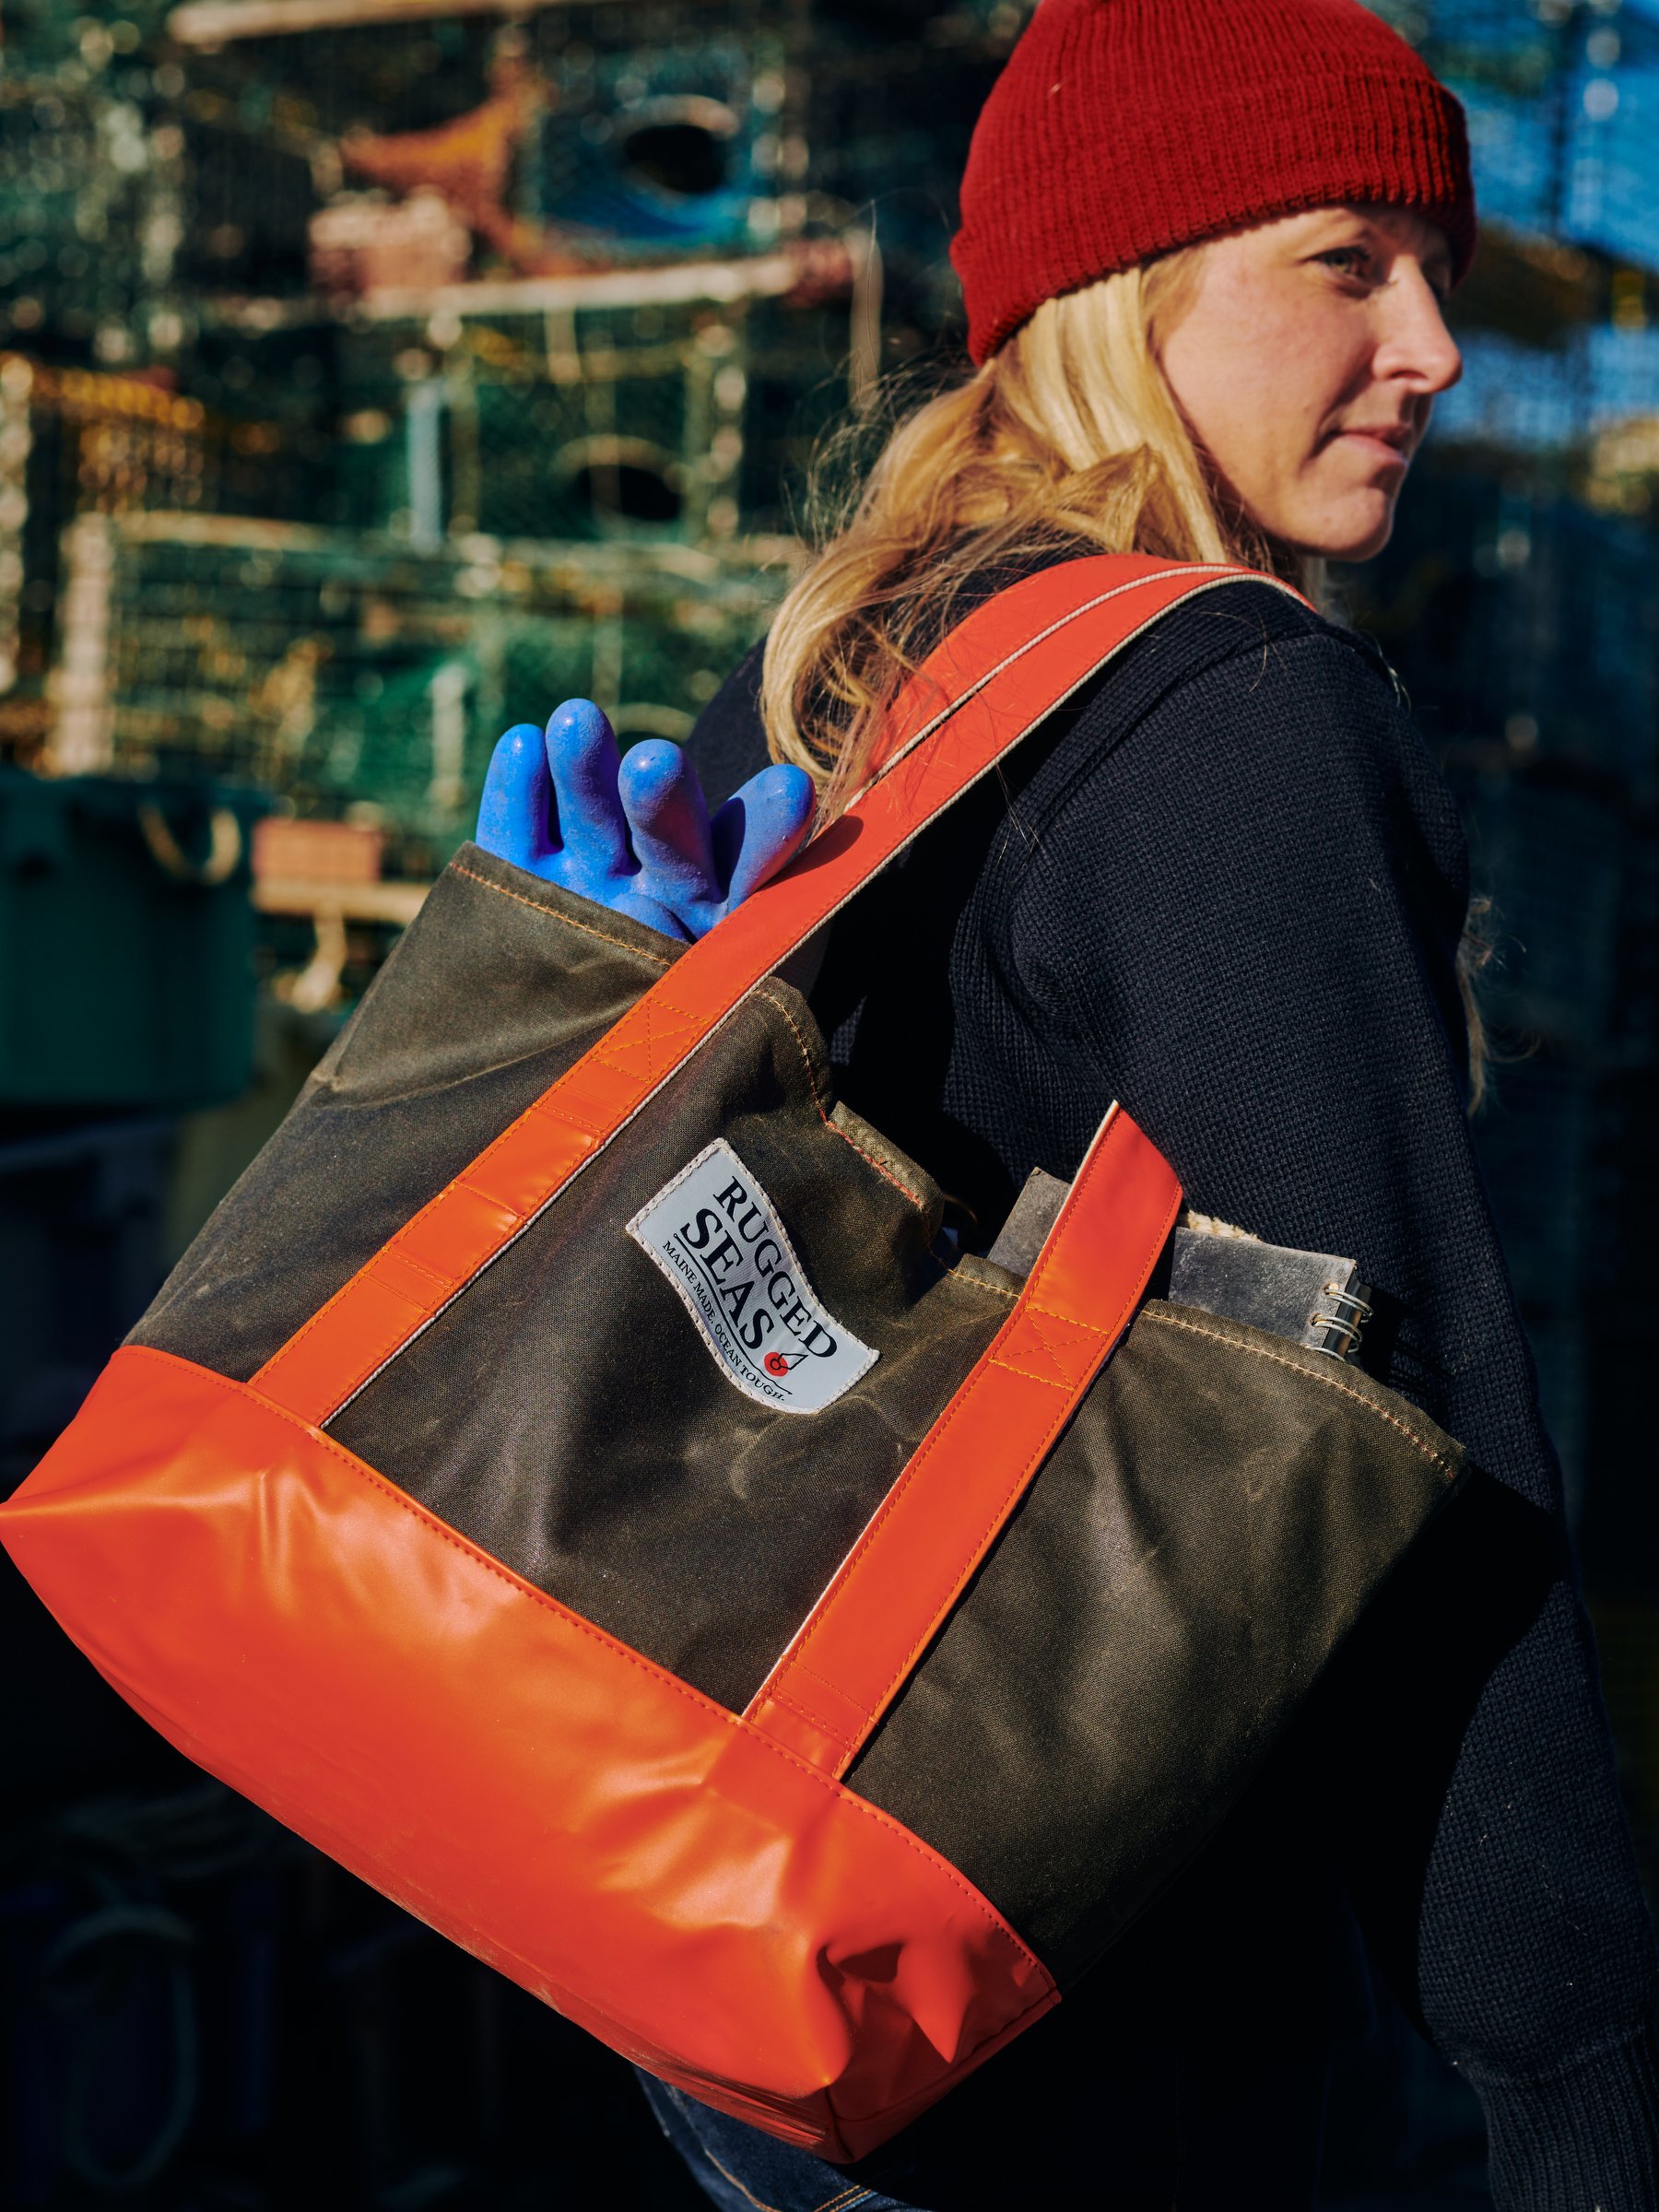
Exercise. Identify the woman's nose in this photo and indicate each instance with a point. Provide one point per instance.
(1416, 344)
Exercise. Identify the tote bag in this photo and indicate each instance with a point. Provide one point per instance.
(568, 1482)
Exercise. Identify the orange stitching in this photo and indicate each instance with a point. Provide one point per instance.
(823, 1680)
(804, 1713)
(669, 1023)
(459, 1183)
(1011, 1493)
(934, 692)
(420, 1267)
(657, 959)
(659, 1674)
(1066, 1381)
(1069, 1321)
(560, 1116)
(885, 1173)
(1025, 1373)
(392, 1290)
(1438, 1459)
(812, 1719)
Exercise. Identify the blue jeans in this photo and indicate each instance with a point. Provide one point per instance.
(743, 2170)
(1221, 2134)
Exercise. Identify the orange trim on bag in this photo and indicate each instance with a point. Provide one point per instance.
(902, 1579)
(659, 1871)
(993, 679)
(697, 1888)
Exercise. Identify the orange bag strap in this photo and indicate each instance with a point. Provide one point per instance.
(898, 1585)
(992, 681)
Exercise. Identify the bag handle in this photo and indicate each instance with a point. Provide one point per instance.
(992, 681)
(901, 1581)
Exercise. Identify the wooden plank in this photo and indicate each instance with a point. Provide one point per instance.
(398, 902)
(218, 22)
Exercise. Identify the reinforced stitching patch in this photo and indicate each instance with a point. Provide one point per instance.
(716, 1236)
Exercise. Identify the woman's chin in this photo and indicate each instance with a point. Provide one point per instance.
(1359, 532)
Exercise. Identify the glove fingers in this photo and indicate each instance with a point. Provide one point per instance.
(669, 821)
(515, 811)
(761, 828)
(582, 755)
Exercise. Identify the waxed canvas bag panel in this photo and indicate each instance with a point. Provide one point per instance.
(498, 986)
(1194, 1550)
(624, 1473)
(621, 1472)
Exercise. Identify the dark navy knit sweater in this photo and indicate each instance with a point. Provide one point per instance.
(1226, 887)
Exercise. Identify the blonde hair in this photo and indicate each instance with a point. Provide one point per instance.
(1067, 439)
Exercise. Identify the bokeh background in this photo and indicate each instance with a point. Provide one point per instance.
(376, 372)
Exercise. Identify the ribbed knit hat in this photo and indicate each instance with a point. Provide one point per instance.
(1122, 128)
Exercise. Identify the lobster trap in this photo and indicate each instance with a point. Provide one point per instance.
(344, 675)
(662, 406)
(677, 147)
(77, 443)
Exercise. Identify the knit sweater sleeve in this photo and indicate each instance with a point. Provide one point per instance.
(1240, 917)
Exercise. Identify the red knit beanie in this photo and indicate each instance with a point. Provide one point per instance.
(1122, 128)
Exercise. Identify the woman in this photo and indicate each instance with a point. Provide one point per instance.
(1205, 247)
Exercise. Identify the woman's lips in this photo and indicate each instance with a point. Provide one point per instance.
(1388, 450)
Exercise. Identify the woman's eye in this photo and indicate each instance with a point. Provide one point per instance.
(1354, 261)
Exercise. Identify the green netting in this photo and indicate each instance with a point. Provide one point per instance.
(73, 196)
(667, 423)
(339, 676)
(583, 458)
(44, 35)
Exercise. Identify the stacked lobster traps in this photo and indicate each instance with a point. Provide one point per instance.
(541, 296)
(363, 678)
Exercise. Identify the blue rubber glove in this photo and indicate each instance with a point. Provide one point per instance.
(635, 834)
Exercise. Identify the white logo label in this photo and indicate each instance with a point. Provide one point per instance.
(713, 1234)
